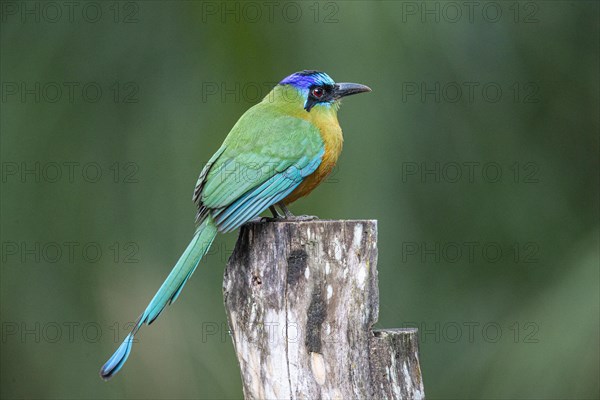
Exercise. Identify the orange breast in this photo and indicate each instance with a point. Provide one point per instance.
(327, 123)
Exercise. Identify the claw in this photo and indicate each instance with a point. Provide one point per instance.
(301, 218)
(264, 219)
(288, 216)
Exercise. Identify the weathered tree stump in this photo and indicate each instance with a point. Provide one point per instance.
(301, 300)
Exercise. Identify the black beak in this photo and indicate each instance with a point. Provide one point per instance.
(346, 89)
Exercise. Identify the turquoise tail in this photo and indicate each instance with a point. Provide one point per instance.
(168, 292)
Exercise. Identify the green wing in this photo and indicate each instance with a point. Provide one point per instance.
(264, 158)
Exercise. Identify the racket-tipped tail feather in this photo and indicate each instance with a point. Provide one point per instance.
(167, 294)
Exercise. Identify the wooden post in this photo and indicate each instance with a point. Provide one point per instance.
(301, 300)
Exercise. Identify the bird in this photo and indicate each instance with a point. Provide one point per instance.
(278, 151)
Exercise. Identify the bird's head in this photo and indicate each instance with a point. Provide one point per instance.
(317, 89)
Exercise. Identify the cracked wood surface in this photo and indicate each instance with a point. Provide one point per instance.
(301, 299)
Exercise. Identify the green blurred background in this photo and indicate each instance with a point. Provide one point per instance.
(500, 273)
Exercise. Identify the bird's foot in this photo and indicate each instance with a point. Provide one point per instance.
(301, 218)
(265, 219)
(297, 218)
(288, 216)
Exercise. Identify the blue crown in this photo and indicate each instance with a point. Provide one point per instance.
(307, 78)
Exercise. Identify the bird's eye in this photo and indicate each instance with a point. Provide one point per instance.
(318, 92)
